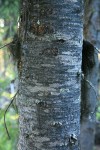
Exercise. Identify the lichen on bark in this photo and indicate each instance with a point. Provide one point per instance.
(49, 91)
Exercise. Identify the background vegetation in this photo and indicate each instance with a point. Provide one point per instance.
(9, 11)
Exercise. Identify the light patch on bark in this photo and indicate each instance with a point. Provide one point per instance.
(42, 139)
(47, 65)
(54, 37)
(58, 143)
(69, 60)
(40, 89)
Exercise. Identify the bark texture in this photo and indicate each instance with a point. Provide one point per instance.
(88, 95)
(89, 98)
(49, 89)
(92, 21)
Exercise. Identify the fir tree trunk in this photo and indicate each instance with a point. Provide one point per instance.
(49, 88)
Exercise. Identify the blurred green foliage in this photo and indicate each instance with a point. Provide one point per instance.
(9, 11)
(11, 118)
(5, 143)
(98, 112)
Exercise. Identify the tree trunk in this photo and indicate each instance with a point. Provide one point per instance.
(92, 22)
(88, 95)
(49, 88)
(89, 98)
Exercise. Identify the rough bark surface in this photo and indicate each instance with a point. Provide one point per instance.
(49, 89)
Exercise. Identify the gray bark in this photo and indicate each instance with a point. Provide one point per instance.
(49, 88)
(92, 22)
(97, 134)
(89, 98)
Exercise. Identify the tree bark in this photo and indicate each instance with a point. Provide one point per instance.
(89, 98)
(49, 88)
(92, 22)
(88, 95)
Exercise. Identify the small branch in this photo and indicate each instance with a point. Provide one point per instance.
(6, 45)
(90, 85)
(6, 112)
(97, 49)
